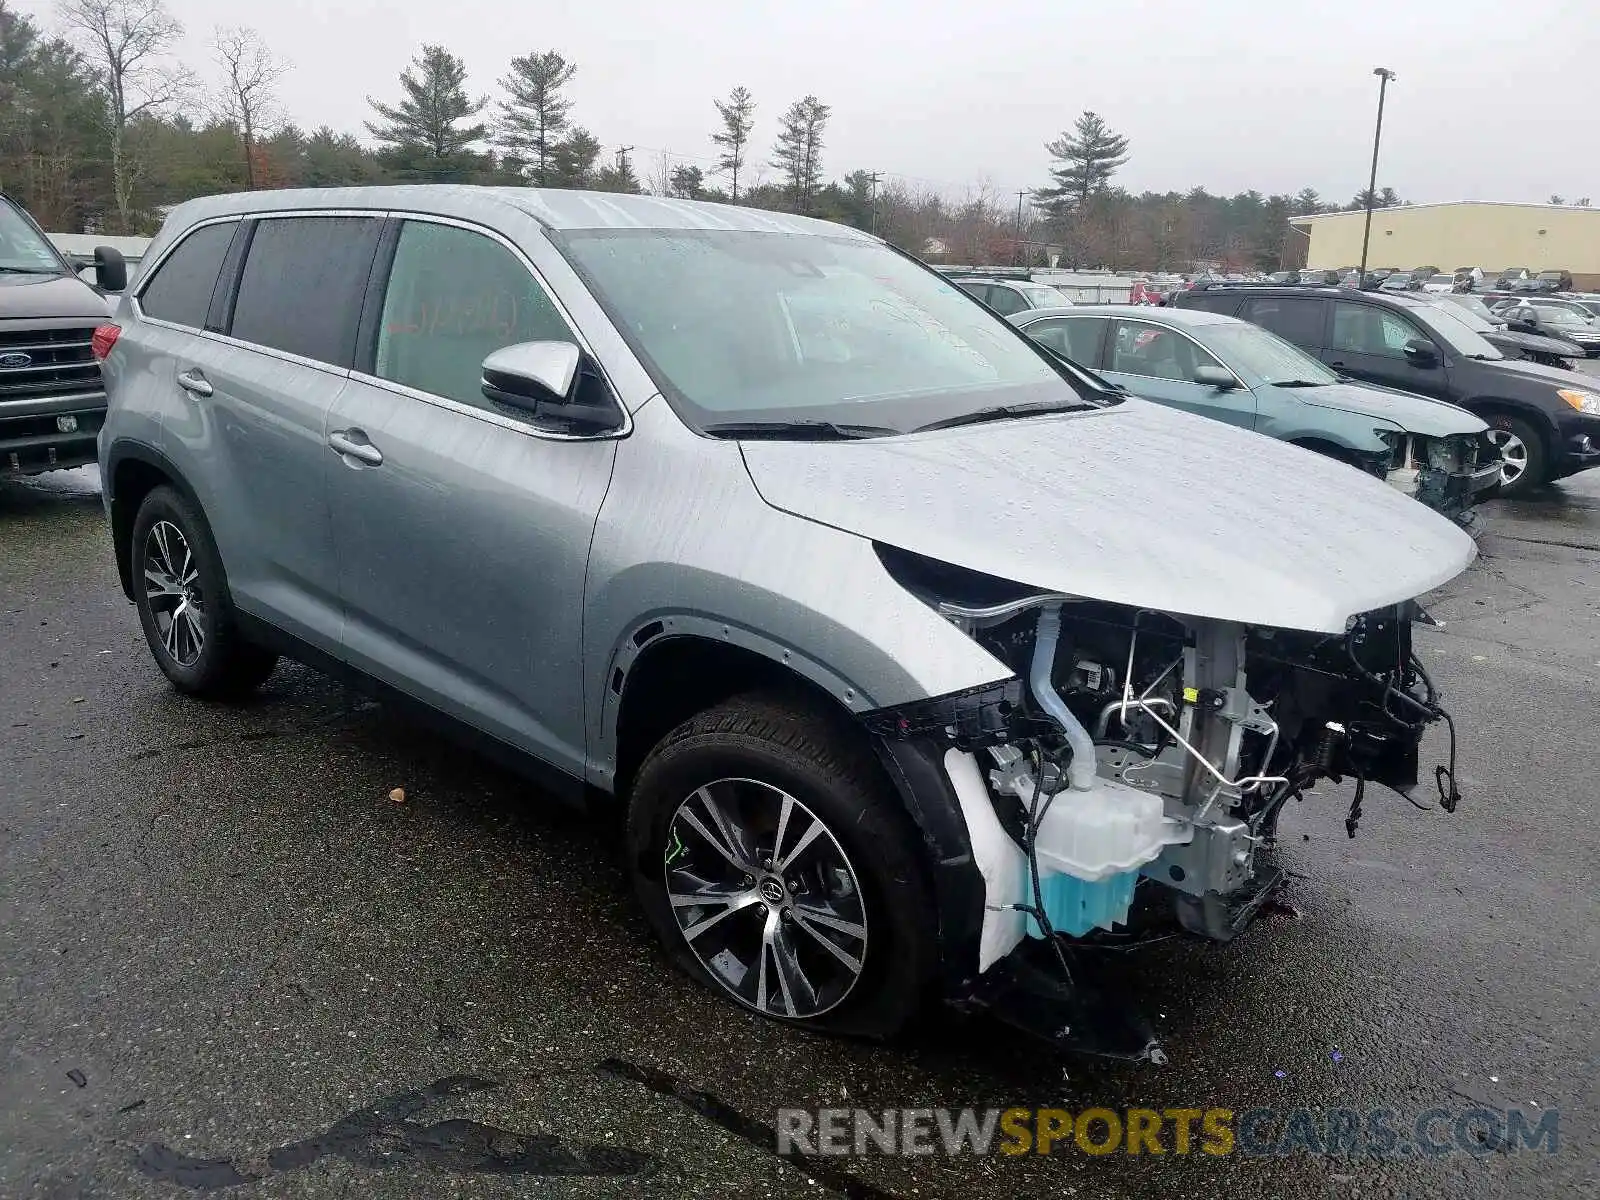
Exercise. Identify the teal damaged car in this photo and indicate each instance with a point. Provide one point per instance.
(1227, 369)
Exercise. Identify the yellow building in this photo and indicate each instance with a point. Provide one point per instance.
(1469, 233)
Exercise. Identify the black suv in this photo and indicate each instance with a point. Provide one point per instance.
(52, 400)
(1546, 421)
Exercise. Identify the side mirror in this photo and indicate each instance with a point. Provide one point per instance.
(1215, 377)
(110, 269)
(1421, 353)
(544, 379)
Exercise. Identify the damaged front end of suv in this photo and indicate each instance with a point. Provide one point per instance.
(1138, 750)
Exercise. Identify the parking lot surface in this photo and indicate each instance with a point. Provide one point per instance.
(229, 960)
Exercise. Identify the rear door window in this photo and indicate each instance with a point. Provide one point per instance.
(1076, 337)
(180, 290)
(302, 286)
(1292, 318)
(1226, 303)
(1005, 301)
(455, 297)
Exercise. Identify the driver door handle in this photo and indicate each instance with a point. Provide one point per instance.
(194, 382)
(352, 443)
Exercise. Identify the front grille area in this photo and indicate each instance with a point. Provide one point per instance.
(59, 362)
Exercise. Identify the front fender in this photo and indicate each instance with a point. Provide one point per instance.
(684, 536)
(1355, 432)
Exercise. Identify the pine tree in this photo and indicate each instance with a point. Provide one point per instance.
(423, 135)
(798, 153)
(534, 118)
(619, 177)
(738, 116)
(1088, 157)
(687, 182)
(572, 159)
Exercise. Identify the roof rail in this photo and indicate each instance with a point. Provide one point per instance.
(1017, 273)
(1254, 283)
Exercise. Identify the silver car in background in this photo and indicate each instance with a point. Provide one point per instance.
(905, 649)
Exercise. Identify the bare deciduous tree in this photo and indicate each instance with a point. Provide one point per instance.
(250, 71)
(126, 42)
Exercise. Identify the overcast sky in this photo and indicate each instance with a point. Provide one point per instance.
(1495, 99)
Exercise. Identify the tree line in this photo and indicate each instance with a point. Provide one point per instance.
(101, 129)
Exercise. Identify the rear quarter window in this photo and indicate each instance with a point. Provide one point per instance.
(180, 290)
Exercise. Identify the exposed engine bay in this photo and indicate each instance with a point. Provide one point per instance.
(1135, 747)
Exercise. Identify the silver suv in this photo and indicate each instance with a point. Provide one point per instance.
(905, 648)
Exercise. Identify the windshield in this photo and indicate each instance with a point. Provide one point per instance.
(742, 328)
(1041, 295)
(21, 247)
(1265, 354)
(1552, 314)
(1474, 313)
(1450, 279)
(1454, 331)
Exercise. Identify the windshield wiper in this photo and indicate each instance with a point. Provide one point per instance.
(6, 269)
(799, 430)
(1297, 383)
(1003, 412)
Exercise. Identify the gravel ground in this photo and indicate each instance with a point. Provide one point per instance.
(228, 959)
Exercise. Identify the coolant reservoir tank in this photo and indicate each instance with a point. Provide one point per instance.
(1104, 830)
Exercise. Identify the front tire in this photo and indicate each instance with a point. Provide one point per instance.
(1522, 450)
(778, 868)
(182, 597)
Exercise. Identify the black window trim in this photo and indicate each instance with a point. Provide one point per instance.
(371, 314)
(251, 218)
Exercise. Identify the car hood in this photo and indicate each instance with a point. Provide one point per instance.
(49, 296)
(1134, 504)
(1554, 377)
(1412, 413)
(1501, 339)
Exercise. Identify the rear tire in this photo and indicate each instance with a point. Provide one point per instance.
(182, 597)
(1523, 450)
(857, 882)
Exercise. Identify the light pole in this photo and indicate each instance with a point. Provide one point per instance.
(1017, 254)
(1384, 76)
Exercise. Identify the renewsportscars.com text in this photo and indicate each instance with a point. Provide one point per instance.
(1367, 1133)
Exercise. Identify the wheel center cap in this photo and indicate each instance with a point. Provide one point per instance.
(772, 891)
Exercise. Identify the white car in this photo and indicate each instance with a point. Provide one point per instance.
(1439, 285)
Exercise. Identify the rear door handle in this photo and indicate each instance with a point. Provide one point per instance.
(194, 382)
(352, 443)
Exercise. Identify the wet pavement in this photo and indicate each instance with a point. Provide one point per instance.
(228, 960)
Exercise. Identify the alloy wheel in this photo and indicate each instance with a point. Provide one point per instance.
(1513, 453)
(172, 590)
(766, 898)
